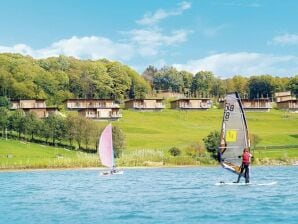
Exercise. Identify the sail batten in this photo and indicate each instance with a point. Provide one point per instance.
(234, 133)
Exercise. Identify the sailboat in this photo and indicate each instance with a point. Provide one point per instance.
(234, 134)
(106, 151)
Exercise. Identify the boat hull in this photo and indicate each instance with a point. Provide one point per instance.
(109, 173)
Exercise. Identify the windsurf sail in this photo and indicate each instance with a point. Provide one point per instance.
(234, 134)
(105, 147)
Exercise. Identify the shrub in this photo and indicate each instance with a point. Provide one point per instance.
(174, 151)
(212, 142)
(118, 141)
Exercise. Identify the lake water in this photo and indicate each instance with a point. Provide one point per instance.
(168, 195)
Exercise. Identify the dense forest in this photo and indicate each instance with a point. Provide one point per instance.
(206, 84)
(58, 78)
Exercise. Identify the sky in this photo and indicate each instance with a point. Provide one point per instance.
(226, 37)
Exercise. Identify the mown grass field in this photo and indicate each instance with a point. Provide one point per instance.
(149, 136)
(162, 130)
(20, 155)
(277, 153)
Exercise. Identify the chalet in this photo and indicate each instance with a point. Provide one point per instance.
(289, 105)
(285, 101)
(191, 104)
(38, 106)
(283, 96)
(145, 104)
(256, 105)
(100, 109)
(259, 105)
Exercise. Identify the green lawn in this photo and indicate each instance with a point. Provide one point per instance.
(17, 154)
(276, 153)
(274, 128)
(162, 130)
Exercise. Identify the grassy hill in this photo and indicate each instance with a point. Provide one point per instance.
(162, 130)
(149, 135)
(18, 154)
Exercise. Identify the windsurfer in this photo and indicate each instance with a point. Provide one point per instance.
(113, 170)
(245, 165)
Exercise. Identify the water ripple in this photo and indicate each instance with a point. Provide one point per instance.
(176, 195)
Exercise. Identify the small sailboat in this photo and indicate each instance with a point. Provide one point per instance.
(106, 152)
(234, 134)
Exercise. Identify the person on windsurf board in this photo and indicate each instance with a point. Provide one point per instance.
(246, 158)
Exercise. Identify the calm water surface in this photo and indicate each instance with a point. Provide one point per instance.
(172, 195)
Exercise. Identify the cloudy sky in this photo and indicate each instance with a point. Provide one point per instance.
(227, 37)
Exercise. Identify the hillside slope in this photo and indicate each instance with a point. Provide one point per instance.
(162, 130)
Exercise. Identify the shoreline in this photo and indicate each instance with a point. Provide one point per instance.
(3, 170)
(97, 168)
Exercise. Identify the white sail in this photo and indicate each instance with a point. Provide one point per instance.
(105, 147)
(106, 151)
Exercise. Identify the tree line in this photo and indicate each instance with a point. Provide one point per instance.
(72, 131)
(206, 84)
(58, 78)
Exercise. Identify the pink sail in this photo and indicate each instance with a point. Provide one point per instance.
(105, 147)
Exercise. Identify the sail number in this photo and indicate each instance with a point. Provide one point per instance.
(229, 108)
